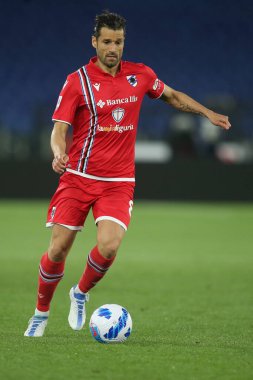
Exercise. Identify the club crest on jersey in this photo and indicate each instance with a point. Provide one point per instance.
(118, 114)
(132, 80)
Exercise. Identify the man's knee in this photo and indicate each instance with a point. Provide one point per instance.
(108, 247)
(60, 243)
(57, 251)
(109, 237)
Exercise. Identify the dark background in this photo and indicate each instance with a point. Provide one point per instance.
(203, 49)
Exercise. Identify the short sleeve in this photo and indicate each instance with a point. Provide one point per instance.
(155, 85)
(68, 101)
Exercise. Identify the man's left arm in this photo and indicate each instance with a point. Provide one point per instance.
(185, 103)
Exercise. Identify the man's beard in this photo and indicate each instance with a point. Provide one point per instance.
(109, 64)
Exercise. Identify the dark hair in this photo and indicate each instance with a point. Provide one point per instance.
(108, 20)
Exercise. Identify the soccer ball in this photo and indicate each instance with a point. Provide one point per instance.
(111, 323)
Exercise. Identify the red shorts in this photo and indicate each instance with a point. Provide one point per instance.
(75, 196)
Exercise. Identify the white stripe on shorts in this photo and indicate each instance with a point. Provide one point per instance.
(72, 228)
(113, 220)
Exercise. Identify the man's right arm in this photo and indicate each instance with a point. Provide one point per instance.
(58, 145)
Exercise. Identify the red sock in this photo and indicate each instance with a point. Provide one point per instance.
(96, 268)
(50, 274)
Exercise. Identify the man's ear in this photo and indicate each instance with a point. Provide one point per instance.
(94, 42)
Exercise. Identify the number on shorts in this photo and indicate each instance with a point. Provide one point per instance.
(131, 203)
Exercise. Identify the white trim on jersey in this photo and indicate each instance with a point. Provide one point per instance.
(72, 228)
(95, 117)
(113, 220)
(107, 179)
(62, 121)
(90, 128)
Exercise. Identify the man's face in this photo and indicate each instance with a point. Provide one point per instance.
(109, 46)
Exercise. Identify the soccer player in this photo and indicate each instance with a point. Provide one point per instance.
(101, 101)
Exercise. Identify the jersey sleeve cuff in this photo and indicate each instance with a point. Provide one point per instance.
(62, 121)
(158, 97)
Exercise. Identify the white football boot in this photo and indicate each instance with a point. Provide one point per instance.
(77, 313)
(36, 326)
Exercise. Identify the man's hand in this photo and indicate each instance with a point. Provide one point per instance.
(58, 145)
(219, 120)
(59, 163)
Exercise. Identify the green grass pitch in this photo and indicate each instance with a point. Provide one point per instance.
(184, 272)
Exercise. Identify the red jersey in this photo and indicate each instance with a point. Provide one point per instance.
(104, 111)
